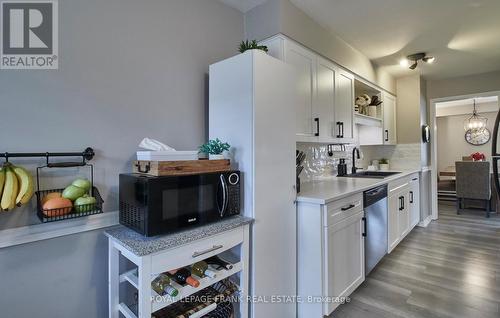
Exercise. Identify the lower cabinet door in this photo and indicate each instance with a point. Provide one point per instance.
(404, 215)
(393, 220)
(345, 259)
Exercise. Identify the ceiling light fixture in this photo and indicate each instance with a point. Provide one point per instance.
(414, 58)
(475, 123)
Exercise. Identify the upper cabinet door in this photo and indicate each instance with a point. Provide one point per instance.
(326, 83)
(389, 109)
(304, 61)
(344, 105)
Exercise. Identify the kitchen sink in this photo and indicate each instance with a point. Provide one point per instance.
(372, 174)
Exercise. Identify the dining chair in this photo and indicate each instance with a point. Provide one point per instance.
(473, 182)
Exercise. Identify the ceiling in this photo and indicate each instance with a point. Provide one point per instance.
(243, 5)
(463, 35)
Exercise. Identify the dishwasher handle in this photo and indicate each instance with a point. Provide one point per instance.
(364, 226)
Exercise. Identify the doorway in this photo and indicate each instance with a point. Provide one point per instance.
(451, 143)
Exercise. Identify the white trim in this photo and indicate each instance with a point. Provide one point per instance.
(434, 170)
(45, 231)
(425, 222)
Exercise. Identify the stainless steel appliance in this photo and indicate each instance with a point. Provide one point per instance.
(157, 205)
(375, 223)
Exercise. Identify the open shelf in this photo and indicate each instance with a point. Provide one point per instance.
(367, 120)
(131, 277)
(185, 291)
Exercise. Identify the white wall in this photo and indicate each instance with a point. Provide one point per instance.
(451, 142)
(281, 16)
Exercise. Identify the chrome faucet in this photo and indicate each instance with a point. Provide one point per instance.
(355, 155)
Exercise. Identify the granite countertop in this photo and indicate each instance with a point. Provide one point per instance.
(141, 245)
(328, 189)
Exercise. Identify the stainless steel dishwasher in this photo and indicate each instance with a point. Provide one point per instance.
(375, 226)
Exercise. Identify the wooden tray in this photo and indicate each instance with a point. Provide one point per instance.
(179, 168)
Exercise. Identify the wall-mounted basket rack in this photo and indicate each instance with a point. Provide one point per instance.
(61, 214)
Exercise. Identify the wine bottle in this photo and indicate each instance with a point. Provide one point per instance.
(201, 269)
(219, 262)
(161, 285)
(183, 276)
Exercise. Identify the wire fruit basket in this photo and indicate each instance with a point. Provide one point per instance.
(70, 212)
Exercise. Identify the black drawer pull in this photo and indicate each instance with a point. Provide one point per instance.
(317, 126)
(348, 207)
(386, 135)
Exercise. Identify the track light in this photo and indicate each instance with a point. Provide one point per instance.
(414, 58)
(429, 59)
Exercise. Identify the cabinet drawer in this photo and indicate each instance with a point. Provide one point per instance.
(343, 208)
(398, 185)
(196, 251)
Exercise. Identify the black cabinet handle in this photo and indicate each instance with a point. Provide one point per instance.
(339, 134)
(342, 129)
(411, 196)
(403, 200)
(317, 126)
(348, 207)
(386, 135)
(400, 203)
(364, 227)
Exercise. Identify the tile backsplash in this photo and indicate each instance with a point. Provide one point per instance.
(319, 163)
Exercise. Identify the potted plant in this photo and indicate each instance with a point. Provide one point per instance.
(251, 45)
(383, 164)
(215, 149)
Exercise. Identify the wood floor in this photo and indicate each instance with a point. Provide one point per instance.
(449, 269)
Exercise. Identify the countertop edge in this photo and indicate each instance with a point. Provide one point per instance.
(151, 251)
(335, 197)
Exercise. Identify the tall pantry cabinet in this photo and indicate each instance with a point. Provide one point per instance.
(252, 97)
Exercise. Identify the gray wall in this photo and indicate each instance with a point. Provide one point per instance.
(473, 84)
(281, 16)
(128, 69)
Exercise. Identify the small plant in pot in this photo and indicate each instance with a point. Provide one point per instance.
(251, 45)
(215, 149)
(383, 164)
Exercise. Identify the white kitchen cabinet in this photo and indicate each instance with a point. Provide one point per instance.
(326, 84)
(304, 62)
(344, 107)
(404, 208)
(389, 110)
(414, 200)
(249, 107)
(330, 253)
(404, 214)
(345, 258)
(326, 93)
(393, 221)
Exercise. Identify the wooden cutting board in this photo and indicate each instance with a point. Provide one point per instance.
(179, 168)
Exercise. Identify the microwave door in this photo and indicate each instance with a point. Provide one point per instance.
(495, 155)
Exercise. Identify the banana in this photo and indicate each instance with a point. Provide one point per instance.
(2, 180)
(10, 190)
(25, 181)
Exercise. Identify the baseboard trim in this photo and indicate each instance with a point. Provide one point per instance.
(425, 222)
(45, 231)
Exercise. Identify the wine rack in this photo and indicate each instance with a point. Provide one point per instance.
(147, 267)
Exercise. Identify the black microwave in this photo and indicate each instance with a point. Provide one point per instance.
(159, 205)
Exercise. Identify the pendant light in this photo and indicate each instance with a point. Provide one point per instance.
(475, 123)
